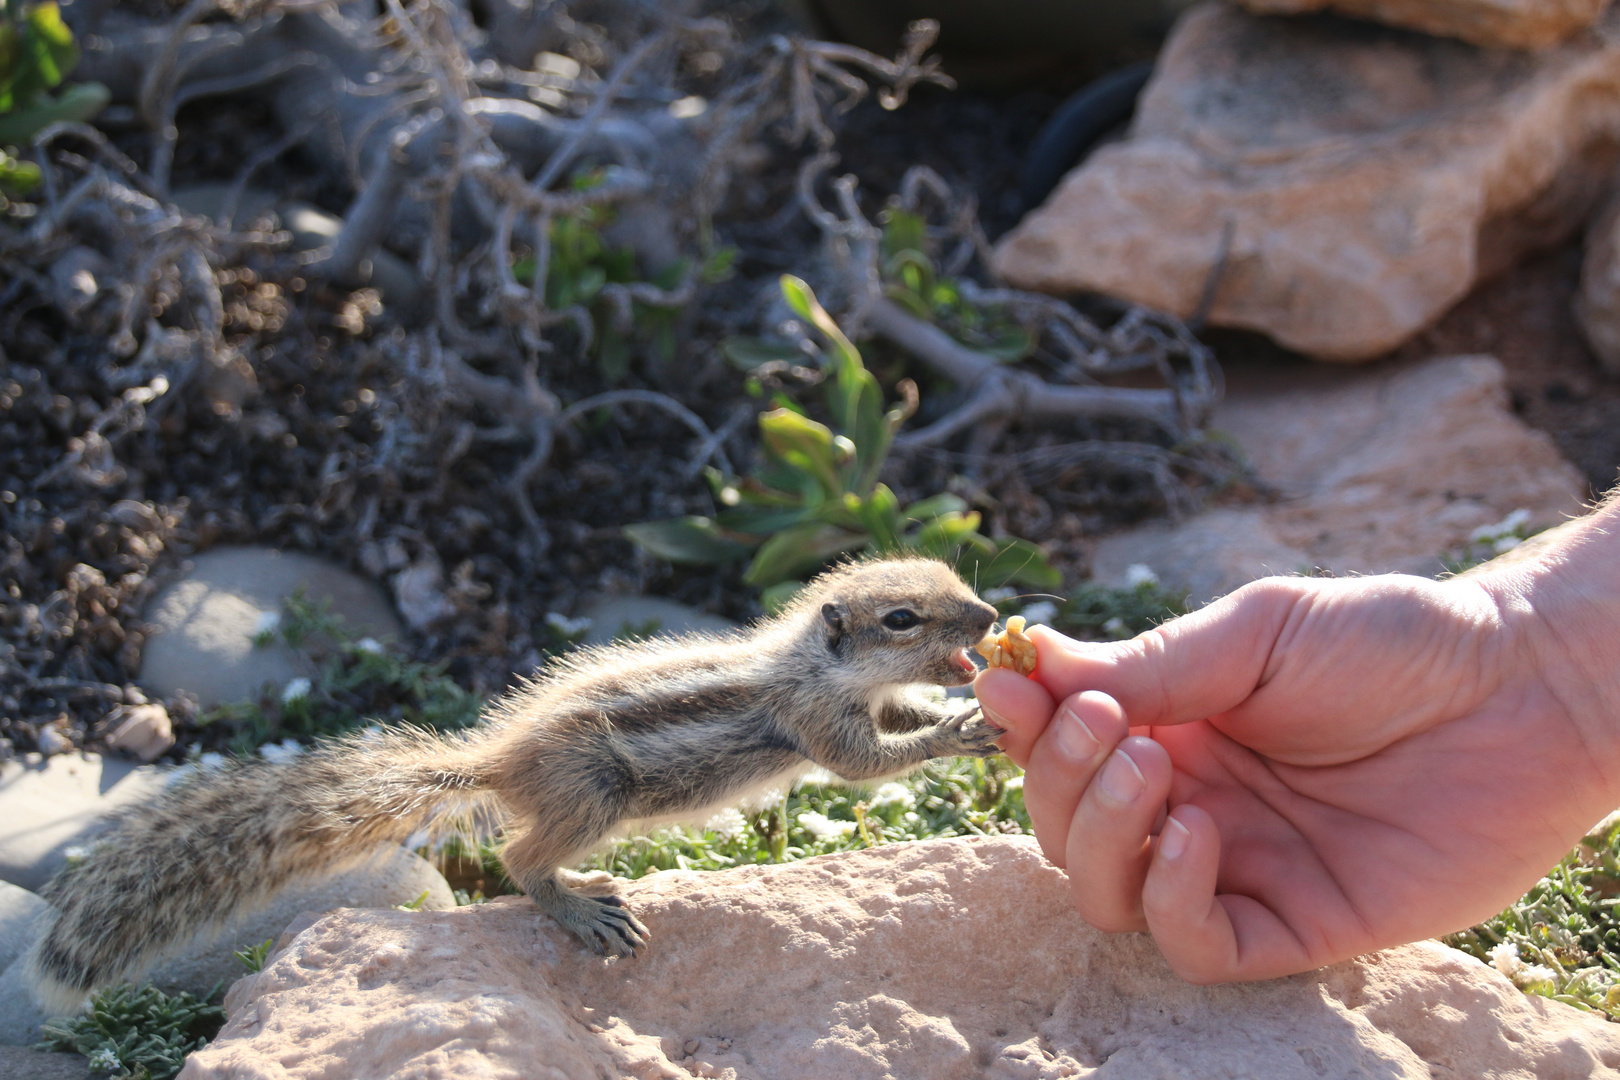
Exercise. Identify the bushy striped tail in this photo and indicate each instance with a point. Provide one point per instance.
(225, 840)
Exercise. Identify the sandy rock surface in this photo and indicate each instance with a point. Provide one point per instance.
(935, 960)
(1380, 470)
(1597, 304)
(1513, 24)
(48, 805)
(206, 621)
(1366, 178)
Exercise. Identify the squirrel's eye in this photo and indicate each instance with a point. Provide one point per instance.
(900, 620)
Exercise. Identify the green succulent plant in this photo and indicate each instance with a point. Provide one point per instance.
(817, 495)
(37, 53)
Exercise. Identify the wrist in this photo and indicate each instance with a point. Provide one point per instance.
(1559, 595)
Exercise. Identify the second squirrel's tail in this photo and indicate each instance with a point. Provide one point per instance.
(225, 840)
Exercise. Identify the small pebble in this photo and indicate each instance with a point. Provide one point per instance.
(52, 742)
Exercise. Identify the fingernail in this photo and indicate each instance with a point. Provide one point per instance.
(1121, 781)
(1074, 738)
(1173, 839)
(994, 717)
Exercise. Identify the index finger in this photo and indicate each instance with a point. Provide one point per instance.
(1190, 668)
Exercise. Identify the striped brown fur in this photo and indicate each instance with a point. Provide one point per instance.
(608, 737)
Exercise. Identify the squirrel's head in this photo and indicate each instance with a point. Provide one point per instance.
(902, 620)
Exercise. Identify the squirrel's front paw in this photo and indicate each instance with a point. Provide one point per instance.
(971, 735)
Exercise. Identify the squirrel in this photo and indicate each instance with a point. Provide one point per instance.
(608, 738)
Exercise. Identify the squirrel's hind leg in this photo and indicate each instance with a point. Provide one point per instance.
(600, 920)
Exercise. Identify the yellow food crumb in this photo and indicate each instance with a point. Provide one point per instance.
(1010, 649)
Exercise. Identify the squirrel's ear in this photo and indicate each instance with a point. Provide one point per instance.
(834, 615)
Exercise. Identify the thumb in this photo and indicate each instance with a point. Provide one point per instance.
(1190, 668)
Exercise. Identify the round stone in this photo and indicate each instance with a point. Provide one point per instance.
(207, 622)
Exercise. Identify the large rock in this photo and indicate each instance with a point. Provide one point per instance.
(1366, 177)
(19, 911)
(1513, 24)
(1597, 304)
(207, 621)
(932, 960)
(394, 876)
(1379, 471)
(50, 805)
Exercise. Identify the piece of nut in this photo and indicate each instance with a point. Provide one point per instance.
(1010, 649)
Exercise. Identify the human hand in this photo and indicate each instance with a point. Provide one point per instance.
(1329, 766)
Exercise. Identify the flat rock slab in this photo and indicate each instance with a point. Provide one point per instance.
(52, 804)
(1512, 24)
(1381, 470)
(206, 622)
(394, 876)
(932, 960)
(19, 910)
(25, 1063)
(1363, 178)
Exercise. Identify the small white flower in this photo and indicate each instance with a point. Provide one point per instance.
(911, 817)
(823, 827)
(817, 777)
(894, 794)
(765, 799)
(368, 645)
(268, 623)
(1140, 574)
(1505, 543)
(104, 1061)
(728, 824)
(1505, 958)
(295, 690)
(1116, 627)
(1534, 974)
(1042, 611)
(997, 595)
(1016, 783)
(213, 759)
(74, 853)
(277, 753)
(565, 626)
(1506, 527)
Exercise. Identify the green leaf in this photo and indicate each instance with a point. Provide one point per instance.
(1014, 562)
(760, 520)
(871, 428)
(692, 540)
(719, 266)
(748, 353)
(880, 513)
(1009, 346)
(805, 445)
(36, 54)
(76, 104)
(17, 178)
(926, 510)
(778, 596)
(945, 535)
(798, 551)
(803, 302)
(904, 231)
